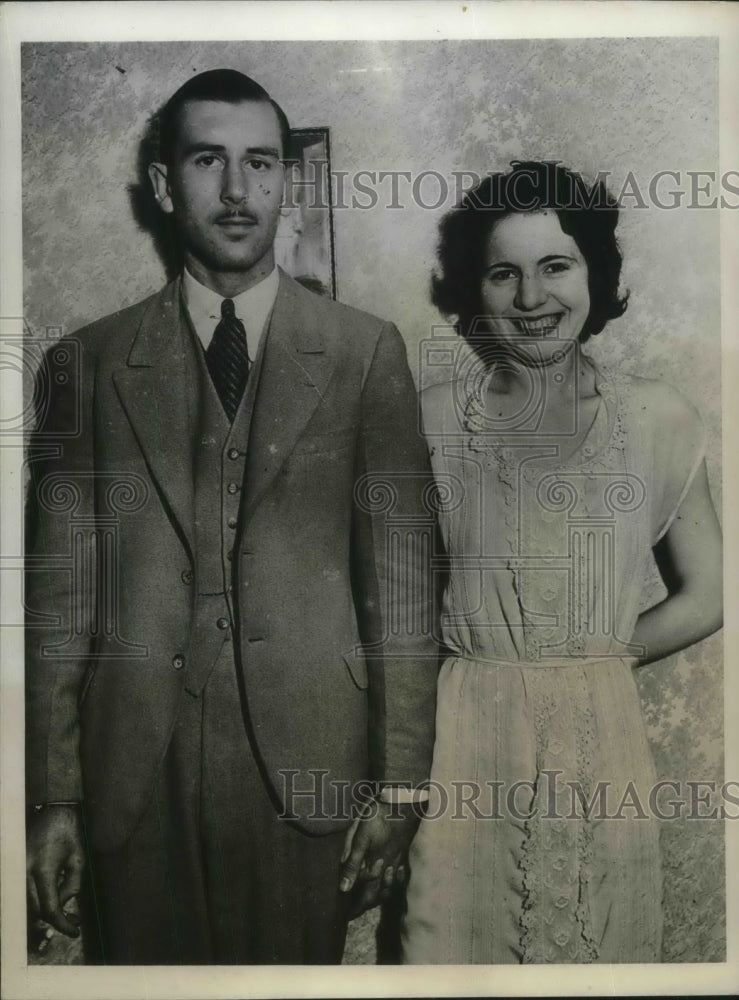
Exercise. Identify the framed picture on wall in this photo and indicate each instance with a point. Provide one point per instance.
(304, 246)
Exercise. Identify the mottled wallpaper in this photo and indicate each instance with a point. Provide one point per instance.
(629, 107)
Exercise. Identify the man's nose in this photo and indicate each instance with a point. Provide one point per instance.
(235, 188)
(530, 292)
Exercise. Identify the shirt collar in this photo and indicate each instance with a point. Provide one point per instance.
(253, 307)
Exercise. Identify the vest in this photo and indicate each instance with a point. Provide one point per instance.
(218, 459)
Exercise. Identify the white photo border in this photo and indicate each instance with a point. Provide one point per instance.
(154, 21)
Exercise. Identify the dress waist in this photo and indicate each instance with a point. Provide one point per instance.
(558, 662)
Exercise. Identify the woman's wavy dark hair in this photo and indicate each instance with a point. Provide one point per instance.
(588, 214)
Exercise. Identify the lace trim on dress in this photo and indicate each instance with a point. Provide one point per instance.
(557, 854)
(506, 460)
(586, 747)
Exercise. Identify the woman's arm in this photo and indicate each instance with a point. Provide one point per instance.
(689, 557)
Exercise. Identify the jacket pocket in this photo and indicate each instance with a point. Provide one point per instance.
(357, 667)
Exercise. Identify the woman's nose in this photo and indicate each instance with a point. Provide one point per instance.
(530, 293)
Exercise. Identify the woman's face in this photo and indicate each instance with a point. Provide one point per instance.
(534, 286)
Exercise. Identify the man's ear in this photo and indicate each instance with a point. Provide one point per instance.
(160, 183)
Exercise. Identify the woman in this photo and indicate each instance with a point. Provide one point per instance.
(557, 479)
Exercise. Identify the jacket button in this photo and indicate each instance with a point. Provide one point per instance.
(186, 576)
(233, 454)
(232, 522)
(233, 488)
(223, 623)
(178, 661)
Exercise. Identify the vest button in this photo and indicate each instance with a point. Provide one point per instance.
(186, 576)
(233, 488)
(233, 454)
(178, 661)
(223, 623)
(232, 522)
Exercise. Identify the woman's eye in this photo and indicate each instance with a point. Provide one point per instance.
(501, 275)
(557, 267)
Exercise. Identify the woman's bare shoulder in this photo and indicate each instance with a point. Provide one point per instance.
(661, 401)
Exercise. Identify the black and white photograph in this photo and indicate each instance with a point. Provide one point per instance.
(367, 460)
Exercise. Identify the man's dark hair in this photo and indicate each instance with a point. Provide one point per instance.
(588, 214)
(214, 85)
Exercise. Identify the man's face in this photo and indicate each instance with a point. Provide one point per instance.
(224, 188)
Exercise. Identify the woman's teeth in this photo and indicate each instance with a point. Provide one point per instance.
(539, 326)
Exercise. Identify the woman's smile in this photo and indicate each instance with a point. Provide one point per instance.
(537, 326)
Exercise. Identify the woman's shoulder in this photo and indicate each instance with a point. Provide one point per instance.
(661, 420)
(658, 402)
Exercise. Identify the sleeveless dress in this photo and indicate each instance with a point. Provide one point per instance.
(540, 842)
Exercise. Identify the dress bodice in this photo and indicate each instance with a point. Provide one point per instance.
(548, 556)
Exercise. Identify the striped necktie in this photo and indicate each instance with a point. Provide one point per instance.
(227, 358)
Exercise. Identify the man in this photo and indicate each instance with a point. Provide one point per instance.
(239, 644)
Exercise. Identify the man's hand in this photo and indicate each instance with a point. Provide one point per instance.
(375, 853)
(54, 864)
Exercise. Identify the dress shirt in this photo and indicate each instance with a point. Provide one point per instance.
(253, 307)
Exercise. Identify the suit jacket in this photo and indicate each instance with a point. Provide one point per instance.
(334, 630)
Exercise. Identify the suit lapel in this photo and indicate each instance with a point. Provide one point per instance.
(154, 391)
(294, 374)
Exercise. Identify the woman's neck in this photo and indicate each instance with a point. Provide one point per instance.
(564, 377)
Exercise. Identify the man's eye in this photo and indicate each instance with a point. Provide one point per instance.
(207, 160)
(259, 165)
